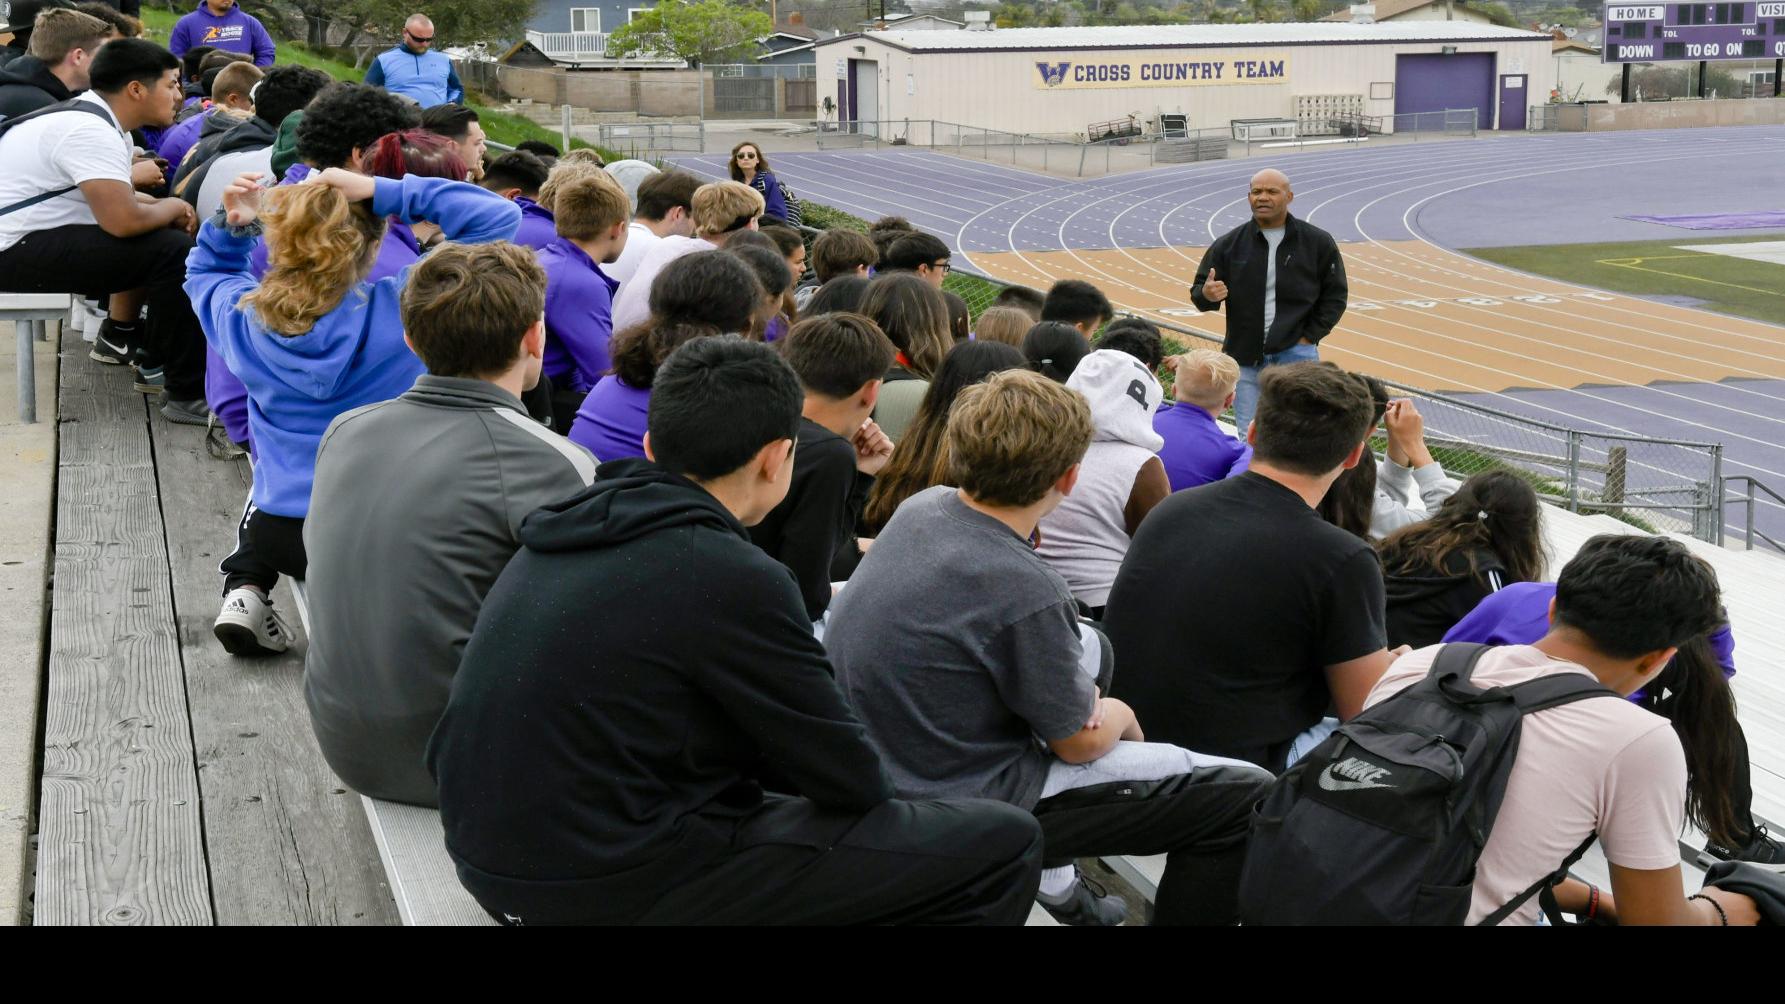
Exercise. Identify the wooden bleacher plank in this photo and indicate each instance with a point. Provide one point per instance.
(120, 840)
(286, 840)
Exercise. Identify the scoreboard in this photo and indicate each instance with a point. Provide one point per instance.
(1664, 32)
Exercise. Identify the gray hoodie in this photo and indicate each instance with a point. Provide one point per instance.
(416, 509)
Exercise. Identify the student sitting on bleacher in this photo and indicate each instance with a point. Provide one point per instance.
(839, 359)
(1136, 336)
(1120, 479)
(1003, 324)
(590, 214)
(1483, 538)
(517, 176)
(844, 294)
(708, 293)
(1692, 692)
(310, 340)
(665, 207)
(397, 574)
(1078, 303)
(1054, 348)
(1240, 617)
(836, 253)
(620, 781)
(914, 317)
(247, 146)
(885, 230)
(720, 210)
(77, 225)
(1373, 499)
(920, 459)
(1622, 608)
(1029, 301)
(1198, 451)
(232, 103)
(776, 280)
(961, 651)
(63, 44)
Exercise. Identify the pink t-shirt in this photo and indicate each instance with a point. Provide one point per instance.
(1598, 764)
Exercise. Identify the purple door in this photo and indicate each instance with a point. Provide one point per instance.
(1514, 99)
(1434, 83)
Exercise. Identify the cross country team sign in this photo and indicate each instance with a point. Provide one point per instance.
(1153, 71)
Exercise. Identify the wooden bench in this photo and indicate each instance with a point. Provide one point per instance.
(29, 312)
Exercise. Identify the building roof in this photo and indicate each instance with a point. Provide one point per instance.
(1572, 45)
(1188, 36)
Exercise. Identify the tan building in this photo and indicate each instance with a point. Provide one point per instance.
(1411, 10)
(1058, 82)
(1581, 73)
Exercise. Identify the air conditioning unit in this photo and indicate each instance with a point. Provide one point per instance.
(978, 20)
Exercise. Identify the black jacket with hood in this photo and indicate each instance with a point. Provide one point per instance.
(221, 134)
(26, 85)
(634, 671)
(1423, 604)
(1311, 288)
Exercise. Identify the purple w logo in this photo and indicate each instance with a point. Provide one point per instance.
(1053, 74)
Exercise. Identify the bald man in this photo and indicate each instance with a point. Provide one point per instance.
(415, 70)
(1282, 283)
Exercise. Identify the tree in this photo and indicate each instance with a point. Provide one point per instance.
(700, 32)
(456, 22)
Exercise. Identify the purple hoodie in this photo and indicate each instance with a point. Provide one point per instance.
(235, 31)
(579, 299)
(612, 422)
(1196, 450)
(1519, 615)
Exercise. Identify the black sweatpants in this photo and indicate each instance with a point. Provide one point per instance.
(266, 547)
(952, 861)
(1199, 819)
(84, 259)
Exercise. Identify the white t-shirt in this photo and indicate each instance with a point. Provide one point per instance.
(1598, 764)
(1272, 238)
(632, 305)
(53, 152)
(639, 242)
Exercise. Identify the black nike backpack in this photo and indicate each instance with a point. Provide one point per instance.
(1383, 822)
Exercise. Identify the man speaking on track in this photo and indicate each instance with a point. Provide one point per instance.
(1282, 281)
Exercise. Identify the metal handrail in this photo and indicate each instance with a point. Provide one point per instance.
(1749, 532)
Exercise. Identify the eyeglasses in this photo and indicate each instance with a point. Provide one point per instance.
(419, 38)
(746, 156)
(942, 266)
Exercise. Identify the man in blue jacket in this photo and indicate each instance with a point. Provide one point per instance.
(222, 25)
(414, 70)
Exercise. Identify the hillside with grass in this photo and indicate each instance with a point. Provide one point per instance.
(499, 127)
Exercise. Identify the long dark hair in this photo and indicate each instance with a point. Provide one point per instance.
(1700, 704)
(920, 460)
(1493, 511)
(914, 317)
(1053, 349)
(762, 161)
(1351, 500)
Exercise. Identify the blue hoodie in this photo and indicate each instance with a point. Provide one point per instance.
(353, 355)
(235, 31)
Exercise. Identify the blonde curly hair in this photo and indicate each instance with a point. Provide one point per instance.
(319, 246)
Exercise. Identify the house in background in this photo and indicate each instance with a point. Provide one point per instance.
(1412, 10)
(911, 22)
(574, 32)
(790, 45)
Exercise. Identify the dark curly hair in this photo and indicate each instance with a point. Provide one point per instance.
(345, 116)
(285, 89)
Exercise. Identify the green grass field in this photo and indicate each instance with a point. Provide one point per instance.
(1737, 286)
(498, 127)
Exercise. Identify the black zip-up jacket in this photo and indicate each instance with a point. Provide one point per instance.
(1311, 289)
(633, 673)
(26, 85)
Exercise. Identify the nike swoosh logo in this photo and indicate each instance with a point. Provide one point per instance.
(1331, 783)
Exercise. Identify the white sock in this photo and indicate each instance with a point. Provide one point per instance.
(1057, 882)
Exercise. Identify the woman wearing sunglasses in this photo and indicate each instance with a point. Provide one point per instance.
(749, 166)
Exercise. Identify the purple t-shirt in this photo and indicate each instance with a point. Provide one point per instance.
(1196, 450)
(579, 299)
(1519, 615)
(612, 421)
(537, 228)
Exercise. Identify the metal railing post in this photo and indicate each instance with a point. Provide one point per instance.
(1716, 484)
(566, 125)
(1573, 471)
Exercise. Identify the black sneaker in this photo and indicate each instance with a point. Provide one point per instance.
(1762, 849)
(185, 412)
(150, 379)
(1087, 905)
(110, 348)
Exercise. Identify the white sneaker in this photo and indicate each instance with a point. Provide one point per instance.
(248, 625)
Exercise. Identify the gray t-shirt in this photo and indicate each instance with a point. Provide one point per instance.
(1273, 238)
(958, 647)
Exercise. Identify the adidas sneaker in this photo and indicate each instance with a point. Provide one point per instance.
(248, 625)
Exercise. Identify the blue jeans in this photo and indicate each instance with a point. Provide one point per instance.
(1245, 396)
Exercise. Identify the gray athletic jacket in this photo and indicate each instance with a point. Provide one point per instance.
(415, 511)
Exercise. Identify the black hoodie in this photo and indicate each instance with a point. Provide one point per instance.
(26, 85)
(1424, 604)
(633, 671)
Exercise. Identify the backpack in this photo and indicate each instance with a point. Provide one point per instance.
(1382, 823)
(71, 105)
(794, 217)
